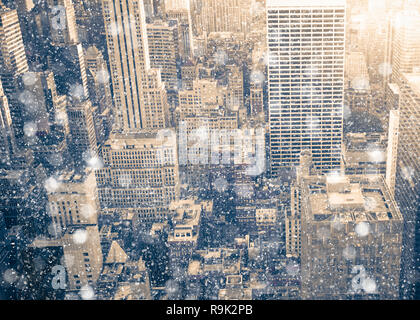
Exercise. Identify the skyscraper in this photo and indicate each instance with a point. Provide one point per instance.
(139, 93)
(224, 16)
(407, 181)
(73, 202)
(305, 43)
(391, 161)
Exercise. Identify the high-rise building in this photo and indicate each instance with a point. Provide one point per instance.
(68, 64)
(224, 16)
(305, 81)
(407, 181)
(351, 236)
(357, 87)
(204, 95)
(12, 53)
(176, 4)
(364, 154)
(140, 174)
(139, 94)
(163, 49)
(256, 98)
(183, 237)
(37, 93)
(391, 162)
(74, 200)
(82, 138)
(188, 75)
(13, 64)
(82, 257)
(133, 285)
(63, 27)
(7, 142)
(405, 44)
(182, 17)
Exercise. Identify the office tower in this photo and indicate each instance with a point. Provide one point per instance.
(90, 23)
(292, 225)
(182, 18)
(235, 79)
(44, 129)
(37, 93)
(63, 27)
(356, 86)
(351, 236)
(98, 79)
(7, 137)
(392, 96)
(13, 64)
(407, 181)
(23, 8)
(305, 81)
(67, 62)
(205, 94)
(405, 44)
(12, 51)
(183, 236)
(99, 87)
(133, 285)
(74, 200)
(256, 98)
(224, 16)
(139, 94)
(392, 149)
(140, 174)
(23, 200)
(163, 50)
(82, 139)
(375, 35)
(176, 4)
(82, 257)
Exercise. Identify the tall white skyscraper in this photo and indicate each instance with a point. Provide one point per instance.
(305, 41)
(139, 94)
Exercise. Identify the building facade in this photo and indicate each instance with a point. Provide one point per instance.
(305, 43)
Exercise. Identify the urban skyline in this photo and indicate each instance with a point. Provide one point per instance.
(209, 150)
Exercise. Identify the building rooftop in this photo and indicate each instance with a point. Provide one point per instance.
(74, 177)
(350, 198)
(116, 254)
